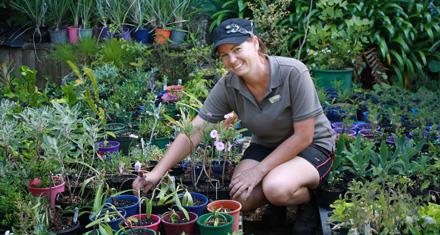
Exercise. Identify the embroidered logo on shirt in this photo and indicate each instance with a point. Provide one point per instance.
(274, 99)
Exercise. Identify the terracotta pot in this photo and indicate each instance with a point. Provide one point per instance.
(234, 210)
(162, 36)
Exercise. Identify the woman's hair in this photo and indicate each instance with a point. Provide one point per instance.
(262, 48)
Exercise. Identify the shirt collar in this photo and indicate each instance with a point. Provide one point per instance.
(274, 77)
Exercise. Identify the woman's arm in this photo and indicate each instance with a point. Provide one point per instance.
(290, 148)
(180, 147)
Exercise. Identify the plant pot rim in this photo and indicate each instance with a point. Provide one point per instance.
(221, 202)
(35, 181)
(140, 216)
(165, 216)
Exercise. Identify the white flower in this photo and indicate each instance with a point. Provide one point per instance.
(137, 166)
(220, 146)
(429, 220)
(121, 167)
(214, 134)
(229, 115)
(409, 220)
(228, 147)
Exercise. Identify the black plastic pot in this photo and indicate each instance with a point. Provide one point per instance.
(327, 196)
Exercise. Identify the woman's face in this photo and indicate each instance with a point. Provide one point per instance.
(240, 59)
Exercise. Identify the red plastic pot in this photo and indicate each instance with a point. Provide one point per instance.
(49, 192)
(174, 228)
(154, 226)
(233, 206)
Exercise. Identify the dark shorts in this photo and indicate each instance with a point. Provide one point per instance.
(320, 157)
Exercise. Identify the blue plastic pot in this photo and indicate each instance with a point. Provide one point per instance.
(132, 209)
(114, 224)
(201, 208)
(142, 35)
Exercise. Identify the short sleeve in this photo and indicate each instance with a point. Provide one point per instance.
(216, 105)
(304, 98)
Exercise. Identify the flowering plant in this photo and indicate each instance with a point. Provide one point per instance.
(225, 134)
(336, 40)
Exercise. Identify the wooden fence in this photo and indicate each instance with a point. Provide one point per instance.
(35, 57)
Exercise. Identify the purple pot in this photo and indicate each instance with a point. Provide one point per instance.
(104, 33)
(369, 134)
(363, 126)
(338, 125)
(111, 147)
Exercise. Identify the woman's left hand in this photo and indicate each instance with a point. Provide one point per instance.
(244, 182)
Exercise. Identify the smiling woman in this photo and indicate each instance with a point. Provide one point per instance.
(274, 97)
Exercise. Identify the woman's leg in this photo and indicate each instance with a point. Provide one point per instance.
(289, 183)
(256, 198)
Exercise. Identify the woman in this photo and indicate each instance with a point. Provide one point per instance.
(274, 97)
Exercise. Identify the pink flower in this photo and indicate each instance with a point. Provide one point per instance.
(220, 146)
(214, 134)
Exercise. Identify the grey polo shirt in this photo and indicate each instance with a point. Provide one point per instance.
(290, 97)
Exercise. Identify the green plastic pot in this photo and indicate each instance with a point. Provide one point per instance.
(327, 78)
(161, 142)
(138, 230)
(219, 230)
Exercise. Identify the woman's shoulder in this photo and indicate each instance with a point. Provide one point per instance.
(288, 63)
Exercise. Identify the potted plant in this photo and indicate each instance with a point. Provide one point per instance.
(36, 10)
(216, 222)
(104, 216)
(129, 203)
(73, 30)
(147, 220)
(231, 207)
(86, 13)
(161, 11)
(181, 11)
(176, 222)
(118, 11)
(102, 8)
(141, 17)
(50, 188)
(194, 202)
(156, 129)
(56, 11)
(334, 42)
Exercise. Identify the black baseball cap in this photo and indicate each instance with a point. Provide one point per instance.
(232, 31)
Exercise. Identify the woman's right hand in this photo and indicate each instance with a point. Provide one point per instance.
(144, 182)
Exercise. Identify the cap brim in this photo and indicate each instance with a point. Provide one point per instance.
(230, 40)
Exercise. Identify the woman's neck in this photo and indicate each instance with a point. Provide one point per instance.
(259, 78)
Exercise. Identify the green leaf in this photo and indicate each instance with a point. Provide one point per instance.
(399, 60)
(434, 47)
(402, 43)
(422, 56)
(398, 73)
(434, 66)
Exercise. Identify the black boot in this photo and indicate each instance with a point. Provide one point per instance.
(307, 219)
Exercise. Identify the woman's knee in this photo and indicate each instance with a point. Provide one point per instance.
(277, 193)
